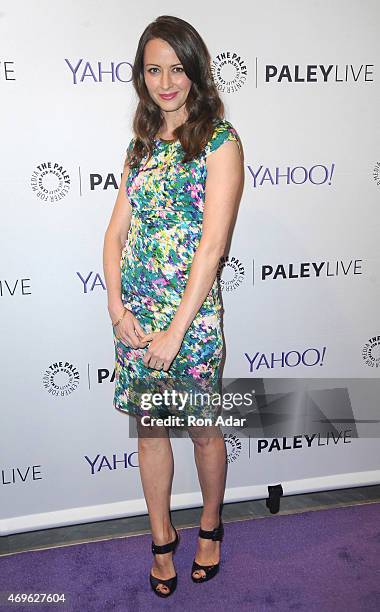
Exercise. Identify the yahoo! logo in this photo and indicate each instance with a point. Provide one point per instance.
(101, 462)
(91, 281)
(319, 174)
(98, 72)
(290, 359)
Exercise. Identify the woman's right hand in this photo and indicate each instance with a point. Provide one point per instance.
(130, 331)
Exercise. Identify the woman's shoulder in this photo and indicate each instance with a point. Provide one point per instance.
(131, 144)
(129, 150)
(223, 131)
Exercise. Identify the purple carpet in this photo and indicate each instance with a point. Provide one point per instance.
(318, 560)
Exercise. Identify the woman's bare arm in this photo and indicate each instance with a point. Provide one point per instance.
(224, 182)
(114, 240)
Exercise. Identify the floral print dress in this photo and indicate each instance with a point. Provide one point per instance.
(167, 200)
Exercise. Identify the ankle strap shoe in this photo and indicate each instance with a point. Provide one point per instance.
(170, 583)
(209, 570)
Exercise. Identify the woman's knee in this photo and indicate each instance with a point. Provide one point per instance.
(151, 435)
(205, 436)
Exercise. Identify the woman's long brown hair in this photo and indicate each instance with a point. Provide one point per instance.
(203, 103)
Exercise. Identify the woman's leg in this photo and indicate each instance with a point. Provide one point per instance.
(156, 470)
(210, 459)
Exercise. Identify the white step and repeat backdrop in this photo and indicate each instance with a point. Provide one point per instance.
(300, 83)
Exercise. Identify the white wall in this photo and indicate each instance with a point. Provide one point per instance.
(313, 146)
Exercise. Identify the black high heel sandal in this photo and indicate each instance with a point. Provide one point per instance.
(210, 570)
(171, 583)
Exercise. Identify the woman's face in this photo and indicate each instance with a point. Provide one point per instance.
(164, 74)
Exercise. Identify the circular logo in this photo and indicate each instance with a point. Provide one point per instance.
(229, 71)
(376, 173)
(371, 352)
(233, 447)
(230, 273)
(61, 378)
(50, 182)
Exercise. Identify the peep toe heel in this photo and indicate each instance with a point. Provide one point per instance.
(210, 570)
(170, 583)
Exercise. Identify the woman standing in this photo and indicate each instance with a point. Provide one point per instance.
(170, 225)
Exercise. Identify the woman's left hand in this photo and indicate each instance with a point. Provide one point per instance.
(164, 346)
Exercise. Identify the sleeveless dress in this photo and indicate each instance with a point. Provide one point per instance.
(167, 201)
